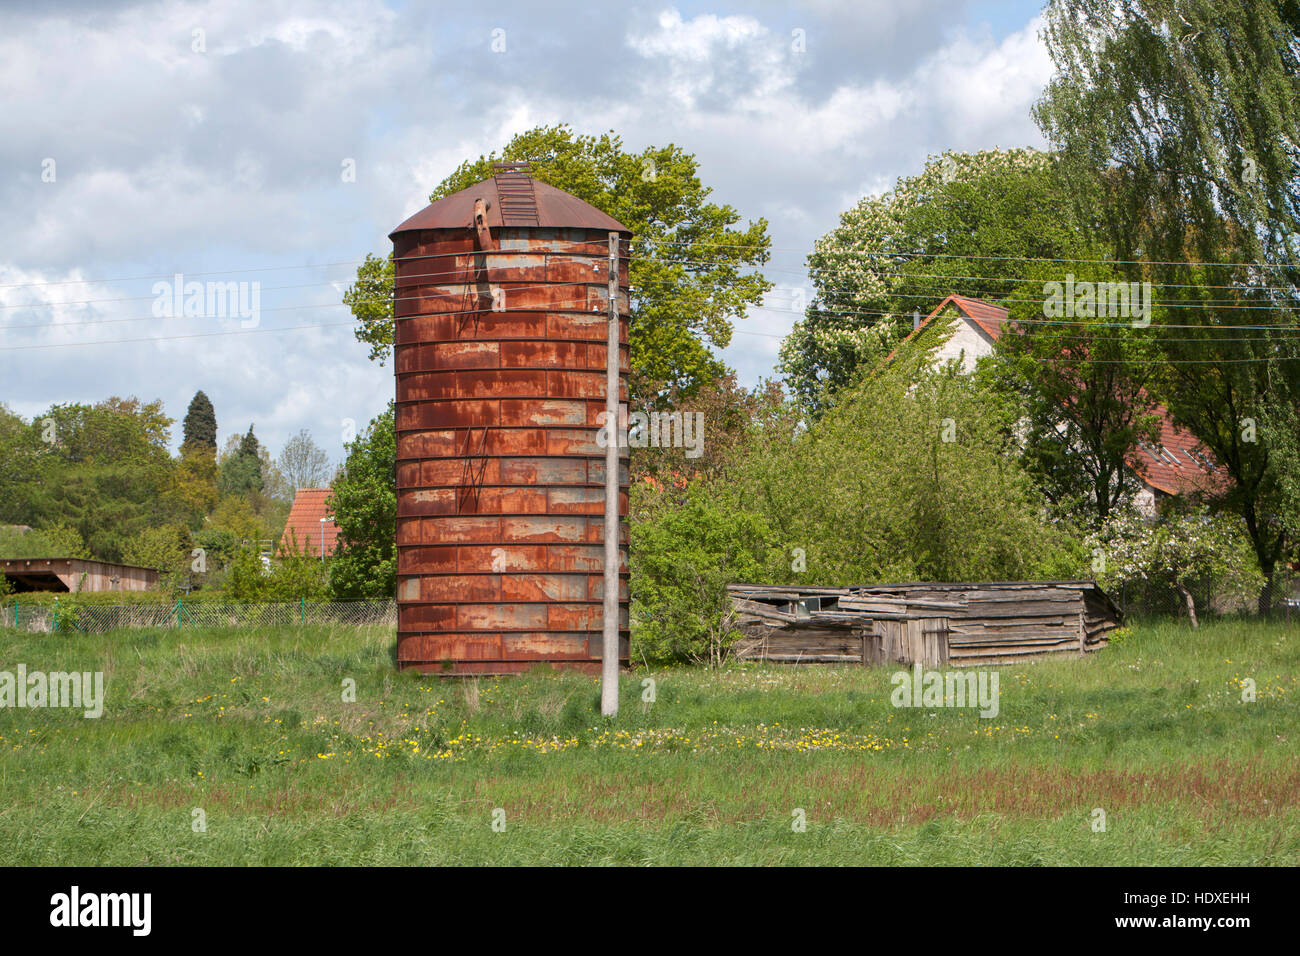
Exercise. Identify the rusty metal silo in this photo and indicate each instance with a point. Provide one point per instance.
(502, 320)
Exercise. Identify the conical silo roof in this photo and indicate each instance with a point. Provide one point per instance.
(513, 199)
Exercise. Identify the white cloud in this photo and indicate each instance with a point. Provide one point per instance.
(170, 160)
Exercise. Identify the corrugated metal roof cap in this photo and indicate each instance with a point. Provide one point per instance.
(554, 208)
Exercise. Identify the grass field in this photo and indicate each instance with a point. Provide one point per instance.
(252, 730)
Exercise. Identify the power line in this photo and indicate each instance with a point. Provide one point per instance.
(926, 294)
(168, 338)
(1283, 327)
(1010, 280)
(310, 305)
(1145, 361)
(668, 241)
(601, 253)
(172, 274)
(921, 254)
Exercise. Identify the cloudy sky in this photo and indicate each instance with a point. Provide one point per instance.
(139, 141)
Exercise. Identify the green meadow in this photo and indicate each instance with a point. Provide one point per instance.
(244, 747)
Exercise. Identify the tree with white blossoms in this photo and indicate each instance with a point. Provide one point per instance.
(1184, 551)
(969, 223)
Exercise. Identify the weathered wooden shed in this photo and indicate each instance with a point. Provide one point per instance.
(77, 575)
(958, 624)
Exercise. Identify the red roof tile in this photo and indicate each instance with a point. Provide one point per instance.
(1180, 463)
(304, 522)
(989, 318)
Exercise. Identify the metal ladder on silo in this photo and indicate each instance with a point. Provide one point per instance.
(516, 194)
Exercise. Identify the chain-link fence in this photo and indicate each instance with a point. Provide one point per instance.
(97, 618)
(1281, 597)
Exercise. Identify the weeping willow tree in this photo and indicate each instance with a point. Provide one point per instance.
(1187, 114)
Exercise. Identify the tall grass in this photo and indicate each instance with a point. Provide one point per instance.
(253, 730)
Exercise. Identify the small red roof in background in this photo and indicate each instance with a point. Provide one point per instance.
(1177, 465)
(304, 523)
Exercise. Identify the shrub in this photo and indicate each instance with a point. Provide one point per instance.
(913, 476)
(686, 551)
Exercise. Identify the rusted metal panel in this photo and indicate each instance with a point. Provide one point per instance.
(554, 209)
(547, 646)
(424, 501)
(548, 528)
(581, 501)
(458, 529)
(502, 557)
(451, 355)
(534, 413)
(440, 559)
(578, 617)
(587, 328)
(496, 617)
(499, 361)
(572, 441)
(596, 587)
(544, 471)
(543, 355)
(543, 587)
(414, 415)
(580, 558)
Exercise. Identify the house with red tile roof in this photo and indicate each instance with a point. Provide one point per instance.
(1176, 464)
(305, 524)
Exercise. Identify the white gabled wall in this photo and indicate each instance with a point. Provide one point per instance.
(967, 344)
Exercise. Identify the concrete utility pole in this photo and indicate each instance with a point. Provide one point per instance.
(609, 642)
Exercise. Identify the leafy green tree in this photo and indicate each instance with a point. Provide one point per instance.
(913, 475)
(241, 471)
(1086, 392)
(729, 415)
(1184, 113)
(290, 577)
(364, 505)
(969, 223)
(21, 469)
(195, 488)
(691, 272)
(105, 471)
(276, 487)
(164, 548)
(1283, 442)
(196, 472)
(54, 541)
(246, 579)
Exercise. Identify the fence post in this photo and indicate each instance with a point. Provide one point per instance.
(178, 614)
(303, 618)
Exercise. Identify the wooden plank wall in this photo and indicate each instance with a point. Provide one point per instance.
(955, 624)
